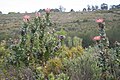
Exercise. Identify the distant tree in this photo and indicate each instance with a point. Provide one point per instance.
(115, 6)
(18, 12)
(11, 12)
(93, 8)
(26, 12)
(96, 7)
(43, 10)
(52, 10)
(72, 10)
(40, 10)
(55, 10)
(118, 6)
(84, 9)
(0, 12)
(62, 9)
(88, 8)
(104, 6)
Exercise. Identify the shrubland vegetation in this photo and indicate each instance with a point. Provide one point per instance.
(82, 23)
(43, 51)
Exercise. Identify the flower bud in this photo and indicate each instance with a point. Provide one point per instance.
(47, 10)
(26, 18)
(37, 14)
(61, 37)
(100, 20)
(97, 38)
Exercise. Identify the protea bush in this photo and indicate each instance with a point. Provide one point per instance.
(42, 53)
(107, 58)
(37, 43)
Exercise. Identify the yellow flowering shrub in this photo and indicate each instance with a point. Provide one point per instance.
(66, 52)
(76, 51)
(53, 65)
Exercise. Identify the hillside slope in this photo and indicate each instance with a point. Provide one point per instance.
(80, 24)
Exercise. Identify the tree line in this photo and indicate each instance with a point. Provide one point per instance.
(103, 6)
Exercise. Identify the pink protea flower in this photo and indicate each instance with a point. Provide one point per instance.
(26, 18)
(47, 10)
(100, 20)
(97, 38)
(37, 14)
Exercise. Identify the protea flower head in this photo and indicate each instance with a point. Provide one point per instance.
(97, 38)
(26, 18)
(47, 10)
(100, 20)
(37, 14)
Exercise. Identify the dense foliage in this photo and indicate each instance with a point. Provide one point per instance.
(42, 53)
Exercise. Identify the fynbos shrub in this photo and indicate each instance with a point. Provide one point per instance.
(37, 42)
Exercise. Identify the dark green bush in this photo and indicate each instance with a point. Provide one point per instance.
(83, 68)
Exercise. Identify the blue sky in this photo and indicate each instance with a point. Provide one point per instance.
(34, 5)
